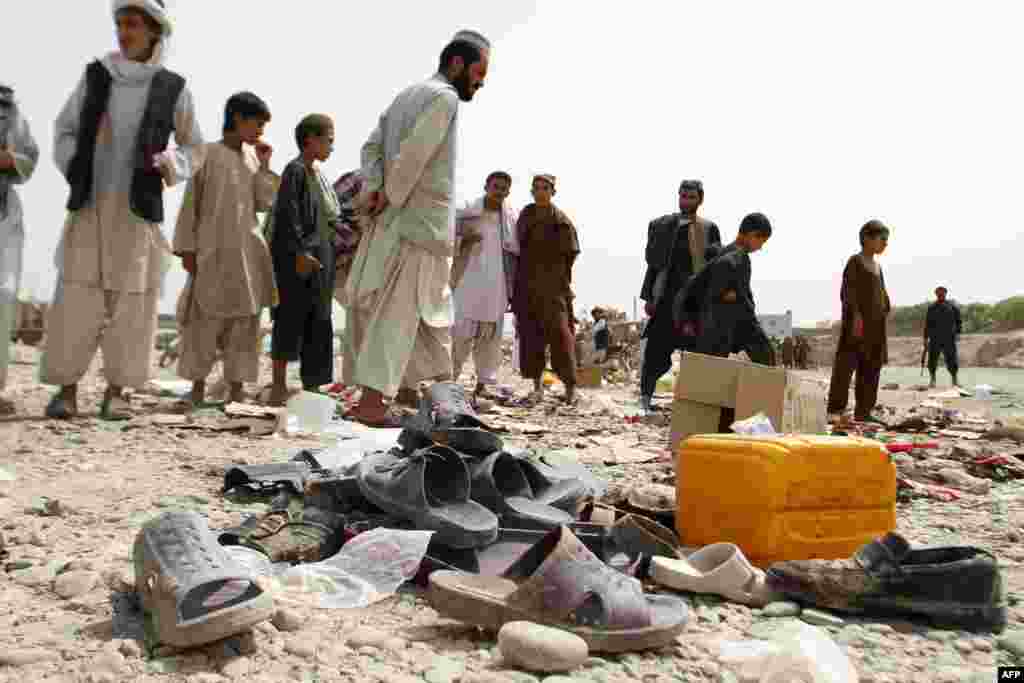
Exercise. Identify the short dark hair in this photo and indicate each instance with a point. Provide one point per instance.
(312, 125)
(756, 224)
(692, 186)
(873, 228)
(154, 25)
(469, 52)
(248, 106)
(498, 174)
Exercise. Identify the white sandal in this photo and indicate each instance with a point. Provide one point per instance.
(720, 569)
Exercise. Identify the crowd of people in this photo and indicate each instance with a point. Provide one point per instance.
(424, 284)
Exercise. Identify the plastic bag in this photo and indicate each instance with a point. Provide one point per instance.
(755, 425)
(798, 653)
(983, 392)
(368, 569)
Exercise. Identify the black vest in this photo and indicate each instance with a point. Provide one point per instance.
(146, 200)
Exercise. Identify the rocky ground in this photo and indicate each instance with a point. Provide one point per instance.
(73, 495)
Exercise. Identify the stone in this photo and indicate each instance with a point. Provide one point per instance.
(776, 610)
(237, 668)
(110, 662)
(444, 670)
(964, 646)
(129, 648)
(397, 677)
(540, 648)
(119, 580)
(75, 583)
(205, 677)
(300, 647)
(365, 636)
(1012, 642)
(25, 656)
(982, 644)
(287, 620)
(819, 618)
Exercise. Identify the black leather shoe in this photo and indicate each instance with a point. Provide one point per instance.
(955, 586)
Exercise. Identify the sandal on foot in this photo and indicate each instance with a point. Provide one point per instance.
(60, 408)
(719, 569)
(115, 409)
(388, 421)
(560, 583)
(192, 590)
(430, 488)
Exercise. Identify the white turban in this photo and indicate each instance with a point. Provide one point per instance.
(154, 8)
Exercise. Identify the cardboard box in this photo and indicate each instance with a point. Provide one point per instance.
(706, 384)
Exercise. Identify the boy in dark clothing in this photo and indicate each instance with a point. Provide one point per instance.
(942, 326)
(302, 245)
(719, 306)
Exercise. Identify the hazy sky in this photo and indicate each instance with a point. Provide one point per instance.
(821, 115)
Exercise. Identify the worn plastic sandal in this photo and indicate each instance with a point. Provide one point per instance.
(430, 488)
(499, 483)
(560, 583)
(191, 589)
(115, 409)
(720, 569)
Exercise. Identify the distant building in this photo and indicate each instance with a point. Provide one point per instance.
(780, 326)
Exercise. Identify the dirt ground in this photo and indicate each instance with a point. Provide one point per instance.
(111, 477)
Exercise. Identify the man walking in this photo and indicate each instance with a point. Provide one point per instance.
(398, 291)
(678, 246)
(486, 252)
(941, 328)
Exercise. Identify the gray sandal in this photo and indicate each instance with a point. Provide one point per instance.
(192, 590)
(60, 408)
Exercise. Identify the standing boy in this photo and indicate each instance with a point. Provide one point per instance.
(111, 144)
(220, 245)
(863, 343)
(302, 246)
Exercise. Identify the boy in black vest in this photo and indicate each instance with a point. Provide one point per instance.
(111, 145)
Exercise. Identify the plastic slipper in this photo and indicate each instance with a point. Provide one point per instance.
(311, 536)
(499, 483)
(430, 488)
(190, 587)
(389, 421)
(562, 492)
(600, 513)
(560, 583)
(720, 569)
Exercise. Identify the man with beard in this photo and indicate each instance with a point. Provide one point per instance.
(943, 325)
(678, 246)
(542, 300)
(398, 291)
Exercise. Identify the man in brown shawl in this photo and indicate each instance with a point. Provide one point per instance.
(542, 303)
(863, 342)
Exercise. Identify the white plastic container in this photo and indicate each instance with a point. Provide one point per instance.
(313, 412)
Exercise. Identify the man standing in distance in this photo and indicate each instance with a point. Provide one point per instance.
(678, 246)
(398, 291)
(942, 326)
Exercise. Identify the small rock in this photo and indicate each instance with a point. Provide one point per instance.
(300, 647)
(982, 644)
(287, 620)
(130, 649)
(1012, 642)
(367, 636)
(777, 610)
(22, 657)
(75, 583)
(964, 646)
(37, 539)
(119, 580)
(109, 662)
(237, 668)
(205, 677)
(400, 678)
(819, 618)
(444, 670)
(541, 648)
